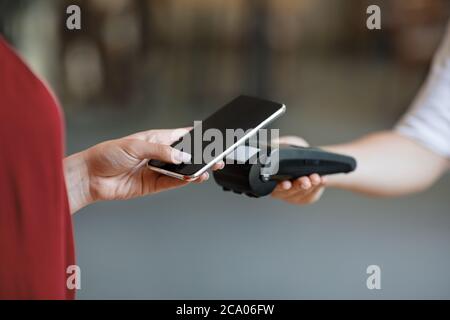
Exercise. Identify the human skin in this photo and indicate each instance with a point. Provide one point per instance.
(116, 169)
(389, 165)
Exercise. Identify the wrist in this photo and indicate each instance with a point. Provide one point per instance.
(337, 180)
(334, 180)
(77, 182)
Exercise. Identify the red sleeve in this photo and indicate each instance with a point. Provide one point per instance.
(36, 240)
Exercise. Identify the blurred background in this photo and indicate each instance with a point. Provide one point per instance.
(142, 64)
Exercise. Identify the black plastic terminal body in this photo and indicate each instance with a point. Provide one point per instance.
(257, 180)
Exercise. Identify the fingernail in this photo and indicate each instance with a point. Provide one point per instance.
(206, 176)
(182, 157)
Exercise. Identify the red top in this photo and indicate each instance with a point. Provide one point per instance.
(36, 241)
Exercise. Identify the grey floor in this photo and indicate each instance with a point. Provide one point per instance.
(199, 242)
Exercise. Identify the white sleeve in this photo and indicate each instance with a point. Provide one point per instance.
(428, 120)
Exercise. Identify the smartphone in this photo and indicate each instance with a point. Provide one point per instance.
(244, 113)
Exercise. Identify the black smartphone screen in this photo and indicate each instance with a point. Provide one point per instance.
(244, 113)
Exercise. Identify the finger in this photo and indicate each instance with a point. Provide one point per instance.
(299, 188)
(204, 177)
(282, 187)
(166, 136)
(292, 140)
(304, 183)
(287, 188)
(219, 165)
(165, 183)
(315, 179)
(286, 185)
(313, 188)
(145, 150)
(291, 189)
(163, 136)
(302, 192)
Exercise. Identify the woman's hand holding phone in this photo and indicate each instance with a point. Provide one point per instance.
(117, 169)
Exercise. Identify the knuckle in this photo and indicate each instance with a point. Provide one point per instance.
(164, 150)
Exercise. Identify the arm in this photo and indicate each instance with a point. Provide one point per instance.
(77, 182)
(389, 164)
(393, 163)
(414, 155)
